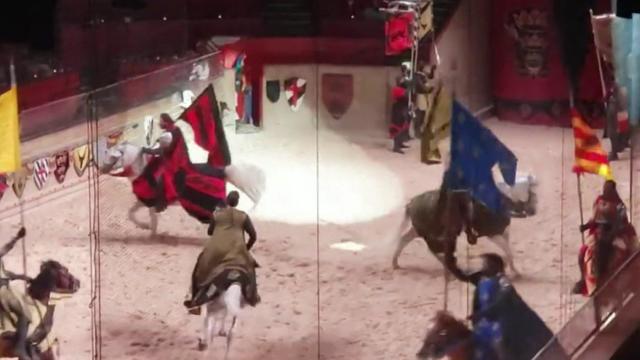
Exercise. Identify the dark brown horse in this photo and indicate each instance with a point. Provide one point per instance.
(53, 278)
(447, 336)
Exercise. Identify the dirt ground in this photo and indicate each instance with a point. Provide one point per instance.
(344, 304)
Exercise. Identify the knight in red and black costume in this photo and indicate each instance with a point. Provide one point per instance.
(611, 240)
(400, 119)
(170, 177)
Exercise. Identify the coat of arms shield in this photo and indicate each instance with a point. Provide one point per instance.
(337, 93)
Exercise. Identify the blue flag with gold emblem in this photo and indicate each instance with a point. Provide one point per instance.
(475, 150)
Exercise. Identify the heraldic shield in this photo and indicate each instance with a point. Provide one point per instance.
(273, 90)
(337, 93)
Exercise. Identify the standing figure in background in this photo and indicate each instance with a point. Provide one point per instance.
(611, 240)
(617, 122)
(422, 88)
(400, 119)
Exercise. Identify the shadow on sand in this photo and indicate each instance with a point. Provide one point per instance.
(160, 239)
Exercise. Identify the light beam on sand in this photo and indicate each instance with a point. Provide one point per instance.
(348, 246)
(353, 186)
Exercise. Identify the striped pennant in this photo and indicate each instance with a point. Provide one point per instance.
(590, 157)
(40, 172)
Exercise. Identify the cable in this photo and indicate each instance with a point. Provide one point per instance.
(562, 277)
(317, 76)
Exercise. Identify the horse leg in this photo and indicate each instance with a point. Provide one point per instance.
(208, 323)
(232, 301)
(221, 320)
(502, 241)
(153, 221)
(132, 217)
(402, 243)
(230, 337)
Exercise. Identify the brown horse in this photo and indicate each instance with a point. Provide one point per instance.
(437, 217)
(53, 278)
(449, 337)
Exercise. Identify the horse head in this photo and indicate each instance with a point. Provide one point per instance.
(124, 156)
(53, 278)
(445, 336)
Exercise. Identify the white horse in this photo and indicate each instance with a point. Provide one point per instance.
(229, 303)
(127, 160)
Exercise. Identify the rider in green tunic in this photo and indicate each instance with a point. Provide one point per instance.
(225, 258)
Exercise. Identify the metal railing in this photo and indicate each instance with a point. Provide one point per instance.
(597, 312)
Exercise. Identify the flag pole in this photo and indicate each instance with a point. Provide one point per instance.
(571, 104)
(14, 84)
(631, 153)
(580, 201)
(604, 93)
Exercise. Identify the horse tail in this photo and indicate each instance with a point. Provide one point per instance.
(393, 237)
(532, 202)
(248, 178)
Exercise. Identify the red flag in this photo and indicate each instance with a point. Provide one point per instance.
(204, 117)
(398, 33)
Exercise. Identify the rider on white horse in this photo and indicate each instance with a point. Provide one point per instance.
(165, 141)
(226, 258)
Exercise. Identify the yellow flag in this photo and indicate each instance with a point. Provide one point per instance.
(9, 129)
(438, 126)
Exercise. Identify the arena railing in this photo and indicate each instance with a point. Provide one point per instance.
(62, 125)
(616, 300)
(166, 83)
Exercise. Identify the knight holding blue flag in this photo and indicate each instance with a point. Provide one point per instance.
(475, 150)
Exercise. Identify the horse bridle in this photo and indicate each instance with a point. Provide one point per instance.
(454, 345)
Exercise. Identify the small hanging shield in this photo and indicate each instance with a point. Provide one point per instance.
(273, 90)
(337, 93)
(294, 89)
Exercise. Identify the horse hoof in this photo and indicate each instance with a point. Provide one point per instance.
(222, 333)
(395, 266)
(202, 346)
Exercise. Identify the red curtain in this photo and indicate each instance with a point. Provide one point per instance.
(529, 79)
(529, 82)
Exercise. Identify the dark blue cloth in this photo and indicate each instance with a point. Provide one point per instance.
(522, 332)
(474, 152)
(487, 332)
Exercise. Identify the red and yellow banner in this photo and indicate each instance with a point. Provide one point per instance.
(590, 156)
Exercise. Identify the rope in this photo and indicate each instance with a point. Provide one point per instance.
(94, 230)
(318, 319)
(467, 283)
(446, 289)
(24, 243)
(94, 206)
(562, 272)
(631, 153)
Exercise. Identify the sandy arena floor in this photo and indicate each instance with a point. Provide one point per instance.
(362, 309)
